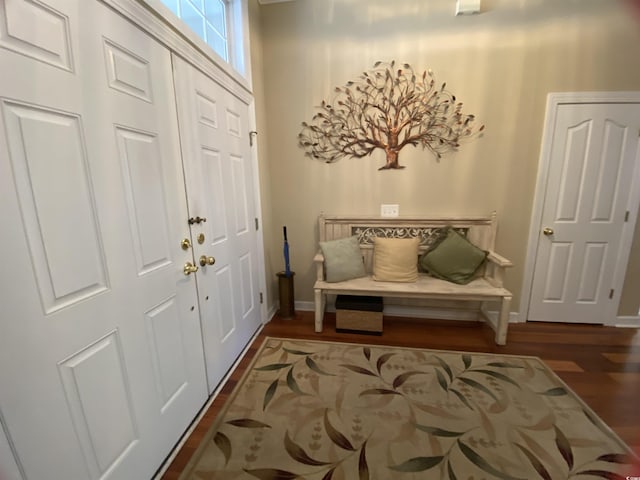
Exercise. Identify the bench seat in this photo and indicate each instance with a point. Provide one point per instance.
(424, 287)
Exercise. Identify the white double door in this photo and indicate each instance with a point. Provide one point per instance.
(101, 356)
(214, 134)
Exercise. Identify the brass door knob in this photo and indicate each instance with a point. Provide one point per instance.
(185, 244)
(547, 231)
(204, 260)
(189, 268)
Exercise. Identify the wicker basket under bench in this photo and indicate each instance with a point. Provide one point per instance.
(481, 231)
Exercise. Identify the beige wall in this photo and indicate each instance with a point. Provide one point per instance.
(257, 69)
(501, 64)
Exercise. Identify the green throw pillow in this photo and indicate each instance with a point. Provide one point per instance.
(342, 259)
(454, 259)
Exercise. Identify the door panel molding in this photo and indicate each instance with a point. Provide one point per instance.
(170, 32)
(554, 101)
(220, 175)
(96, 201)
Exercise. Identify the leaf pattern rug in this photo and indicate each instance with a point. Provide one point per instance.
(332, 411)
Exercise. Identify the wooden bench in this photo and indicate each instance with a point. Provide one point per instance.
(485, 287)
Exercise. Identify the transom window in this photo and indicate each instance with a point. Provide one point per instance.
(207, 18)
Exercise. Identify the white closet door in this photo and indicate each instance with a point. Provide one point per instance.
(8, 467)
(594, 151)
(219, 175)
(101, 361)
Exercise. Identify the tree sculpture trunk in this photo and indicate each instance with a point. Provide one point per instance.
(392, 151)
(392, 160)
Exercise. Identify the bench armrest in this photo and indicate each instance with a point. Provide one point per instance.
(495, 268)
(499, 260)
(318, 259)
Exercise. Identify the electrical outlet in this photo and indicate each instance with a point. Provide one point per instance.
(389, 210)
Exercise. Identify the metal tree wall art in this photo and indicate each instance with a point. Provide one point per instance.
(387, 109)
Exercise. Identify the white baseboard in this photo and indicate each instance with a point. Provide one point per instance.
(305, 306)
(420, 312)
(632, 321)
(271, 312)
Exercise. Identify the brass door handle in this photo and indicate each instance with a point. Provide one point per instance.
(189, 268)
(204, 260)
(548, 231)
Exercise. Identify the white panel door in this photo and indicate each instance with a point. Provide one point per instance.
(219, 175)
(593, 153)
(101, 360)
(8, 467)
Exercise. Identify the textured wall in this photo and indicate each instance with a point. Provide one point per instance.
(501, 64)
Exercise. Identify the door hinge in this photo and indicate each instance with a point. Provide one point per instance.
(261, 298)
(626, 216)
(611, 293)
(257, 223)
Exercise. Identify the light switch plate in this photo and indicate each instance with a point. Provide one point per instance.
(467, 7)
(389, 210)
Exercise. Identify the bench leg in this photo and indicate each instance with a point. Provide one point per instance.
(320, 299)
(503, 321)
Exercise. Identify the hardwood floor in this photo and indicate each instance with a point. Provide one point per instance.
(601, 364)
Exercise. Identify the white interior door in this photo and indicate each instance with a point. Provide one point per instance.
(101, 361)
(219, 175)
(8, 467)
(592, 158)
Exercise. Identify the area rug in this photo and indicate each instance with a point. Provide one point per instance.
(329, 411)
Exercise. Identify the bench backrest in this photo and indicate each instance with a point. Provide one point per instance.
(481, 231)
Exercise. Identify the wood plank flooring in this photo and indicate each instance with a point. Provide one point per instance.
(601, 364)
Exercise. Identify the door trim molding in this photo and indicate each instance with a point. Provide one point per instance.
(253, 126)
(554, 100)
